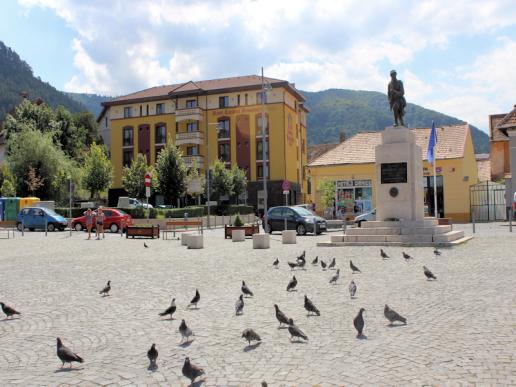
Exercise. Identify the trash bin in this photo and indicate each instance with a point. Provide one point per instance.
(11, 209)
(1, 209)
(28, 202)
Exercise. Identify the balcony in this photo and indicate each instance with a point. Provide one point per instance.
(190, 138)
(190, 160)
(195, 114)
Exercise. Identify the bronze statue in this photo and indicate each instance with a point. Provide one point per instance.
(395, 94)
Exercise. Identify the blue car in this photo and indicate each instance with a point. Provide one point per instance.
(36, 217)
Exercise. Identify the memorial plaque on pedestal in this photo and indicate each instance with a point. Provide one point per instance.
(392, 173)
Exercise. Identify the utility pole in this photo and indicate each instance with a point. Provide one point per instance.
(264, 159)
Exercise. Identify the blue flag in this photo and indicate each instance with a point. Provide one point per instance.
(430, 155)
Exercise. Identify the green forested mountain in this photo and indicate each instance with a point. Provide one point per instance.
(91, 101)
(353, 111)
(16, 76)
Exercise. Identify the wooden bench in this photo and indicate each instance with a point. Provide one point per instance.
(9, 226)
(174, 225)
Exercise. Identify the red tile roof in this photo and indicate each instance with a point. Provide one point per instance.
(359, 149)
(509, 121)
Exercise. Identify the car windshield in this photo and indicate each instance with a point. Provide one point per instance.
(122, 212)
(51, 212)
(303, 211)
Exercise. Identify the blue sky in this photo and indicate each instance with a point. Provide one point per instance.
(455, 57)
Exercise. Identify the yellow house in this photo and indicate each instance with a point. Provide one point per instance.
(351, 164)
(216, 119)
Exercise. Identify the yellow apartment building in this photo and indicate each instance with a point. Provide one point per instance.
(215, 119)
(351, 164)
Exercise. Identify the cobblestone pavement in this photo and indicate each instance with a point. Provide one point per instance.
(461, 328)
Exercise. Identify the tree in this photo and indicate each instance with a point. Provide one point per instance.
(133, 177)
(98, 171)
(5, 174)
(85, 123)
(7, 189)
(239, 181)
(195, 182)
(171, 173)
(221, 181)
(34, 182)
(327, 190)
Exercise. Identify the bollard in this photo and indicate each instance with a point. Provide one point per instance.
(473, 221)
(46, 225)
(70, 225)
(511, 212)
(22, 228)
(344, 225)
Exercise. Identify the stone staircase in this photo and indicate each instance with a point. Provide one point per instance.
(425, 232)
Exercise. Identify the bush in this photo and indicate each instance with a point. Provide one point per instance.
(136, 213)
(233, 209)
(238, 222)
(193, 212)
(153, 213)
(76, 212)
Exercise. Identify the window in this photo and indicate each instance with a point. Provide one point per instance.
(223, 101)
(309, 186)
(106, 121)
(259, 171)
(225, 152)
(128, 112)
(238, 99)
(177, 127)
(141, 110)
(147, 110)
(259, 150)
(223, 127)
(161, 134)
(192, 150)
(192, 126)
(259, 124)
(245, 98)
(260, 99)
(127, 136)
(191, 103)
(160, 108)
(127, 157)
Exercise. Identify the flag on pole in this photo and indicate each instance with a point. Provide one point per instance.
(430, 155)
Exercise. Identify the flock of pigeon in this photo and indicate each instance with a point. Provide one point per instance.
(192, 371)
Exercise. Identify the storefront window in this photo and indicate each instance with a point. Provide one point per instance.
(354, 197)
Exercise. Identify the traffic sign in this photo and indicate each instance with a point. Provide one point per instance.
(286, 192)
(285, 186)
(147, 179)
(147, 192)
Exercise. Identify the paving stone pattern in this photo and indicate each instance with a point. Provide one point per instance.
(461, 328)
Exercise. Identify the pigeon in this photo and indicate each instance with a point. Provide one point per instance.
(352, 289)
(191, 371)
(302, 264)
(358, 322)
(406, 256)
(280, 315)
(315, 261)
(185, 331)
(384, 254)
(428, 273)
(332, 264)
(170, 310)
(354, 269)
(106, 290)
(8, 310)
(292, 284)
(392, 315)
(310, 307)
(246, 290)
(323, 264)
(152, 354)
(196, 299)
(275, 263)
(292, 265)
(295, 331)
(437, 252)
(239, 305)
(66, 355)
(334, 279)
(302, 256)
(145, 245)
(250, 335)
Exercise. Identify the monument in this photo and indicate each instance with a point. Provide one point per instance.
(400, 216)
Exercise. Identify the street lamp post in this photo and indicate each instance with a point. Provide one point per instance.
(265, 89)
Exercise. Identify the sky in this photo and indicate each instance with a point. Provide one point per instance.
(457, 57)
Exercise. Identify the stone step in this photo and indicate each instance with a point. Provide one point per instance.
(435, 230)
(449, 236)
(374, 231)
(388, 238)
(427, 222)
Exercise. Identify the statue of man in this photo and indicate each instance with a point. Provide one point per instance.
(395, 94)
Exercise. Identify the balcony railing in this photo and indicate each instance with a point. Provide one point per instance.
(191, 160)
(189, 114)
(224, 134)
(190, 138)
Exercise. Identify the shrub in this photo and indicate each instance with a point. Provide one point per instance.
(76, 212)
(153, 213)
(233, 209)
(193, 212)
(238, 222)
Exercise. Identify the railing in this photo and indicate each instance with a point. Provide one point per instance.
(189, 161)
(224, 134)
(190, 113)
(189, 138)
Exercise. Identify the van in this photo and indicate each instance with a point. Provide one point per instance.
(126, 202)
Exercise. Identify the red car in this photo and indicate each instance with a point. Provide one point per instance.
(113, 220)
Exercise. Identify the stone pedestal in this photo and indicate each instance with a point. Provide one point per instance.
(238, 235)
(399, 171)
(261, 241)
(195, 241)
(288, 237)
(184, 236)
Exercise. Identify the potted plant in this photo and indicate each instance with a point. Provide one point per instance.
(238, 224)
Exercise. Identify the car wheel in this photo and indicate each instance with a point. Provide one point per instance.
(78, 227)
(113, 228)
(31, 229)
(301, 229)
(19, 226)
(51, 227)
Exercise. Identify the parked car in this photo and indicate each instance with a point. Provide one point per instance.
(125, 202)
(37, 217)
(112, 222)
(298, 218)
(306, 207)
(371, 215)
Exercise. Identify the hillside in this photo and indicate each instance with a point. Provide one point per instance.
(90, 101)
(352, 111)
(16, 76)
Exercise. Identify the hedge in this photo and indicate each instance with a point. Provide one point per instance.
(65, 212)
(233, 209)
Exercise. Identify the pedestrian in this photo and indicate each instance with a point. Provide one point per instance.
(89, 216)
(100, 223)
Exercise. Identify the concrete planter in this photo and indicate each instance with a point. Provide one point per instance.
(184, 236)
(195, 241)
(261, 241)
(238, 235)
(249, 230)
(288, 237)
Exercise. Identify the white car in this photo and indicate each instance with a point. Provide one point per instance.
(371, 215)
(125, 202)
